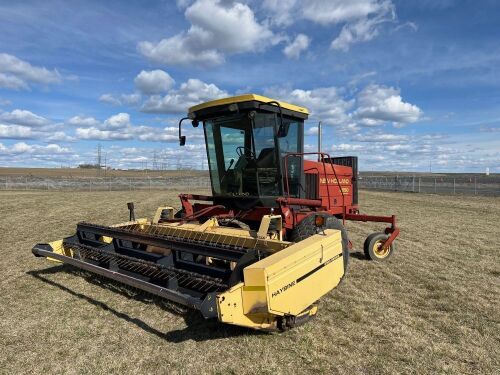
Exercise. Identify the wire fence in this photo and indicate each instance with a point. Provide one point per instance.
(102, 184)
(417, 184)
(476, 185)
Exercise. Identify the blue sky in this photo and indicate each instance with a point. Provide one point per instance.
(400, 84)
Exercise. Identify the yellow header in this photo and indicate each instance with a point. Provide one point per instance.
(247, 98)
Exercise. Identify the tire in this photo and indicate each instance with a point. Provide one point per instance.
(373, 242)
(306, 228)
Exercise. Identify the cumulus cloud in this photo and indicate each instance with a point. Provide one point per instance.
(153, 82)
(361, 19)
(379, 104)
(218, 27)
(24, 148)
(119, 127)
(82, 121)
(324, 103)
(190, 93)
(118, 121)
(15, 132)
(297, 46)
(18, 74)
(122, 99)
(23, 117)
(103, 135)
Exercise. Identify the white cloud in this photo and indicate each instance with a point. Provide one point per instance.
(218, 27)
(295, 48)
(23, 117)
(153, 82)
(15, 132)
(130, 99)
(18, 74)
(378, 137)
(82, 121)
(313, 130)
(378, 104)
(109, 99)
(11, 82)
(361, 19)
(123, 99)
(118, 121)
(324, 103)
(190, 93)
(24, 148)
(104, 135)
(59, 136)
(364, 29)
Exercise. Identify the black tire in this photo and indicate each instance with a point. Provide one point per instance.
(374, 240)
(306, 228)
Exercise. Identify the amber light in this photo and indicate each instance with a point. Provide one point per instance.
(319, 221)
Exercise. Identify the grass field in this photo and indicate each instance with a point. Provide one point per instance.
(433, 308)
(83, 172)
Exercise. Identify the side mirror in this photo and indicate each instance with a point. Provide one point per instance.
(283, 130)
(195, 123)
(182, 140)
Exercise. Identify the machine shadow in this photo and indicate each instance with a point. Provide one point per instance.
(358, 255)
(197, 328)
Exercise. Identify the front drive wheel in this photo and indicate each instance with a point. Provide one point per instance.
(373, 247)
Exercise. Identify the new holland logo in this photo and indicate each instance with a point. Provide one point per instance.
(283, 289)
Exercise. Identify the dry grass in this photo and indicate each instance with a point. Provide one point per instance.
(83, 172)
(433, 308)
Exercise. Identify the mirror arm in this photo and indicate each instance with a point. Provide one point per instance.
(182, 138)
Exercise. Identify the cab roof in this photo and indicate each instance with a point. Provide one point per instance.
(247, 98)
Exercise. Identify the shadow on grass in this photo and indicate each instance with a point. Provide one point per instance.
(198, 328)
(358, 255)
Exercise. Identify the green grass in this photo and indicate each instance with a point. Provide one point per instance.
(432, 308)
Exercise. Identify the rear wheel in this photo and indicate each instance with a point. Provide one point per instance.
(306, 228)
(373, 247)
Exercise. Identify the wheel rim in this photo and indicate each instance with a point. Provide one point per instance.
(379, 251)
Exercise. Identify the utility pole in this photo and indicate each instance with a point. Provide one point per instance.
(99, 159)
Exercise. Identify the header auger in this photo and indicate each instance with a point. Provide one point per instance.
(264, 247)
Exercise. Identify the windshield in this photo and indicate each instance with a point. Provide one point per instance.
(242, 155)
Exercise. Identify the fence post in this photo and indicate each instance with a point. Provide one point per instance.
(454, 192)
(90, 185)
(475, 185)
(109, 182)
(419, 184)
(150, 184)
(435, 185)
(26, 183)
(47, 184)
(413, 184)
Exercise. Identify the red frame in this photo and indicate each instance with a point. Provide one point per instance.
(294, 210)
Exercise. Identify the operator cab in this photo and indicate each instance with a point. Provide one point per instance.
(247, 138)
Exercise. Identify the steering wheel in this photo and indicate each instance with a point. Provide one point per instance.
(246, 152)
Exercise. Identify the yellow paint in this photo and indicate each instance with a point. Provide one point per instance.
(288, 282)
(246, 98)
